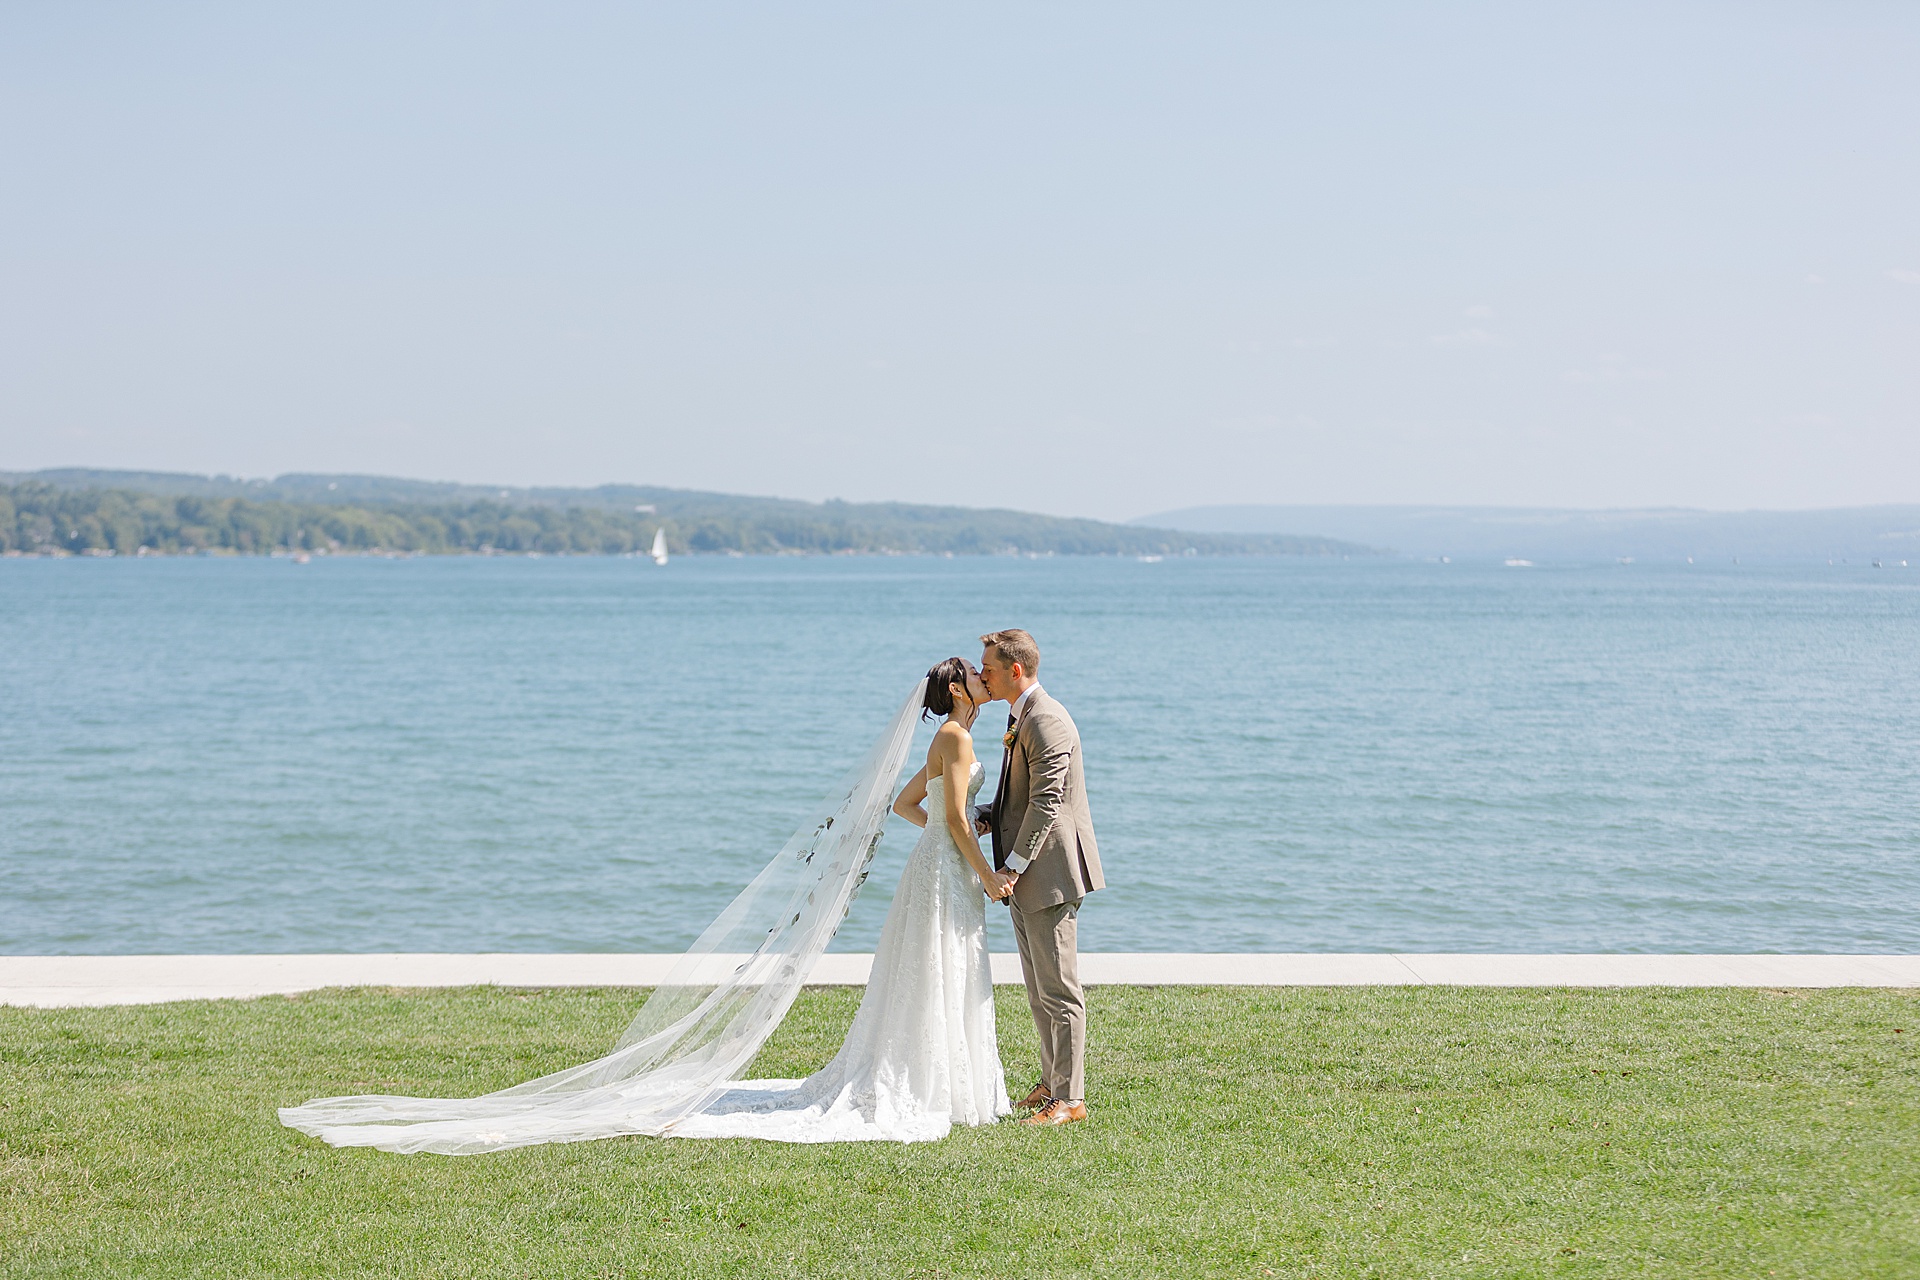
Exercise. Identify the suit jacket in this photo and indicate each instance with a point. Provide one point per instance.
(1040, 810)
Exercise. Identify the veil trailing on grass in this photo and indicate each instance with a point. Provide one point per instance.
(699, 1028)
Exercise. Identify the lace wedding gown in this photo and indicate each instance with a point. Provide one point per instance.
(922, 1055)
(920, 1058)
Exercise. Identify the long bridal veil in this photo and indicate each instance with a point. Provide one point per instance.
(698, 1029)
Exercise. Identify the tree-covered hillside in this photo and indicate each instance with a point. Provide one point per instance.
(251, 518)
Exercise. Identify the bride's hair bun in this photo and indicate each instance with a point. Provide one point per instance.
(939, 700)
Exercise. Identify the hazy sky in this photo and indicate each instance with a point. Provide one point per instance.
(1089, 259)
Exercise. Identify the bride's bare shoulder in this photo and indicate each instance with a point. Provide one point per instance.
(953, 742)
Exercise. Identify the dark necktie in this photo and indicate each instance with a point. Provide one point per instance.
(1000, 801)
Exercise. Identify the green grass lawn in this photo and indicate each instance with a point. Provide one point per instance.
(1389, 1132)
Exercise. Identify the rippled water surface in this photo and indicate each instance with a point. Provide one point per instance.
(588, 754)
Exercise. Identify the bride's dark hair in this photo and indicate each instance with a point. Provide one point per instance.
(939, 700)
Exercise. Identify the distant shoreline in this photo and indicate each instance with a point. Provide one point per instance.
(379, 553)
(133, 514)
(1885, 532)
(1483, 560)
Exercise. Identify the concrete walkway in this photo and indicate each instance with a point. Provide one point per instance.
(56, 981)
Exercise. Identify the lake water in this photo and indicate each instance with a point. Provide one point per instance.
(464, 754)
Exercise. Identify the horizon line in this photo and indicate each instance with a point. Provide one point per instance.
(1625, 509)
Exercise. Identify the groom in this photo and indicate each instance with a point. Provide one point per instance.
(1043, 833)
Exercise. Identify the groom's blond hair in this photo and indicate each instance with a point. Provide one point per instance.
(1014, 645)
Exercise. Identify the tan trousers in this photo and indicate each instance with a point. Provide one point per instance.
(1050, 958)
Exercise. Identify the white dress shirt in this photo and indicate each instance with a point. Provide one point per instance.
(1021, 701)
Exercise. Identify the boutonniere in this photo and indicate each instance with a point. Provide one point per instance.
(1007, 741)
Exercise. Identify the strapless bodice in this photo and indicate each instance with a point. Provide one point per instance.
(978, 776)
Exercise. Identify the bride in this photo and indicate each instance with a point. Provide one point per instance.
(920, 1057)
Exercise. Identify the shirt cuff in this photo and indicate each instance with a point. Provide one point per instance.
(1017, 864)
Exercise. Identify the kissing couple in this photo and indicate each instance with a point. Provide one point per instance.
(922, 1054)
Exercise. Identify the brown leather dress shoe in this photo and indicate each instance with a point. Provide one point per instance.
(1057, 1112)
(1035, 1100)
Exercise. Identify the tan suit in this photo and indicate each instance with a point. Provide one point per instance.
(1040, 814)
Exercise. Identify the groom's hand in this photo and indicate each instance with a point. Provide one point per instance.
(981, 826)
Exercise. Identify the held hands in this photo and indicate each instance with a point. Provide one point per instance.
(999, 884)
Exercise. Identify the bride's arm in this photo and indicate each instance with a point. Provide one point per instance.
(957, 769)
(912, 797)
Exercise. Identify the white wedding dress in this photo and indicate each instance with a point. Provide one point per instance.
(922, 1055)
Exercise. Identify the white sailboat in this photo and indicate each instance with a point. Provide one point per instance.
(659, 552)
